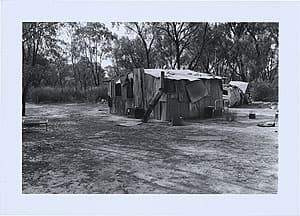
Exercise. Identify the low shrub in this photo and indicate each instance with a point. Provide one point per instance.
(66, 95)
(96, 94)
(264, 91)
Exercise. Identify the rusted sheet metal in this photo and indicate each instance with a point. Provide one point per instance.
(181, 74)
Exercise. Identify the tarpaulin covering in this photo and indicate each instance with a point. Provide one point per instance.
(233, 96)
(241, 85)
(196, 90)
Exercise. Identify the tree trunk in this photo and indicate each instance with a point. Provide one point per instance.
(148, 59)
(177, 56)
(196, 59)
(74, 74)
(96, 67)
(147, 51)
(26, 86)
(24, 95)
(23, 107)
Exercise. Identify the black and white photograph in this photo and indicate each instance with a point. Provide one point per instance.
(150, 107)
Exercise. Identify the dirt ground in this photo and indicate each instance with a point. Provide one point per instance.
(86, 151)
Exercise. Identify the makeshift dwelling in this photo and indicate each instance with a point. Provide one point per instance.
(164, 93)
(235, 93)
(241, 85)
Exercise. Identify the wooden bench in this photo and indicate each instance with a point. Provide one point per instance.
(35, 123)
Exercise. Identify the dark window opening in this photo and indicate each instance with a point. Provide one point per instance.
(118, 89)
(225, 92)
(130, 88)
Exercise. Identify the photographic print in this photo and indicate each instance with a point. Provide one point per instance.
(150, 107)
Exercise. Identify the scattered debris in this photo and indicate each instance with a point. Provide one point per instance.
(177, 121)
(129, 123)
(252, 115)
(34, 122)
(266, 124)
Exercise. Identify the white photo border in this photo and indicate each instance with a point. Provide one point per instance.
(14, 12)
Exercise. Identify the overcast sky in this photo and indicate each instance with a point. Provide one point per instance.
(119, 30)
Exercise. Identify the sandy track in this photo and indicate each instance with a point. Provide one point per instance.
(85, 151)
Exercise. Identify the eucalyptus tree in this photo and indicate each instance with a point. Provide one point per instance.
(92, 40)
(180, 35)
(146, 32)
(39, 44)
(128, 54)
(264, 38)
(198, 45)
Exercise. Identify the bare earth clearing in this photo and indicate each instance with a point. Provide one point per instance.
(85, 151)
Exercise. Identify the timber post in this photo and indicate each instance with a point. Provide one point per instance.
(162, 80)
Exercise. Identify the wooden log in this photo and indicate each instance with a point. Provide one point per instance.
(152, 104)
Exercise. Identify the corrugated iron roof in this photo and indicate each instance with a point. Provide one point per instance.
(180, 74)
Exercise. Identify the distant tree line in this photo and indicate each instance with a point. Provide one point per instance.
(244, 51)
(68, 57)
